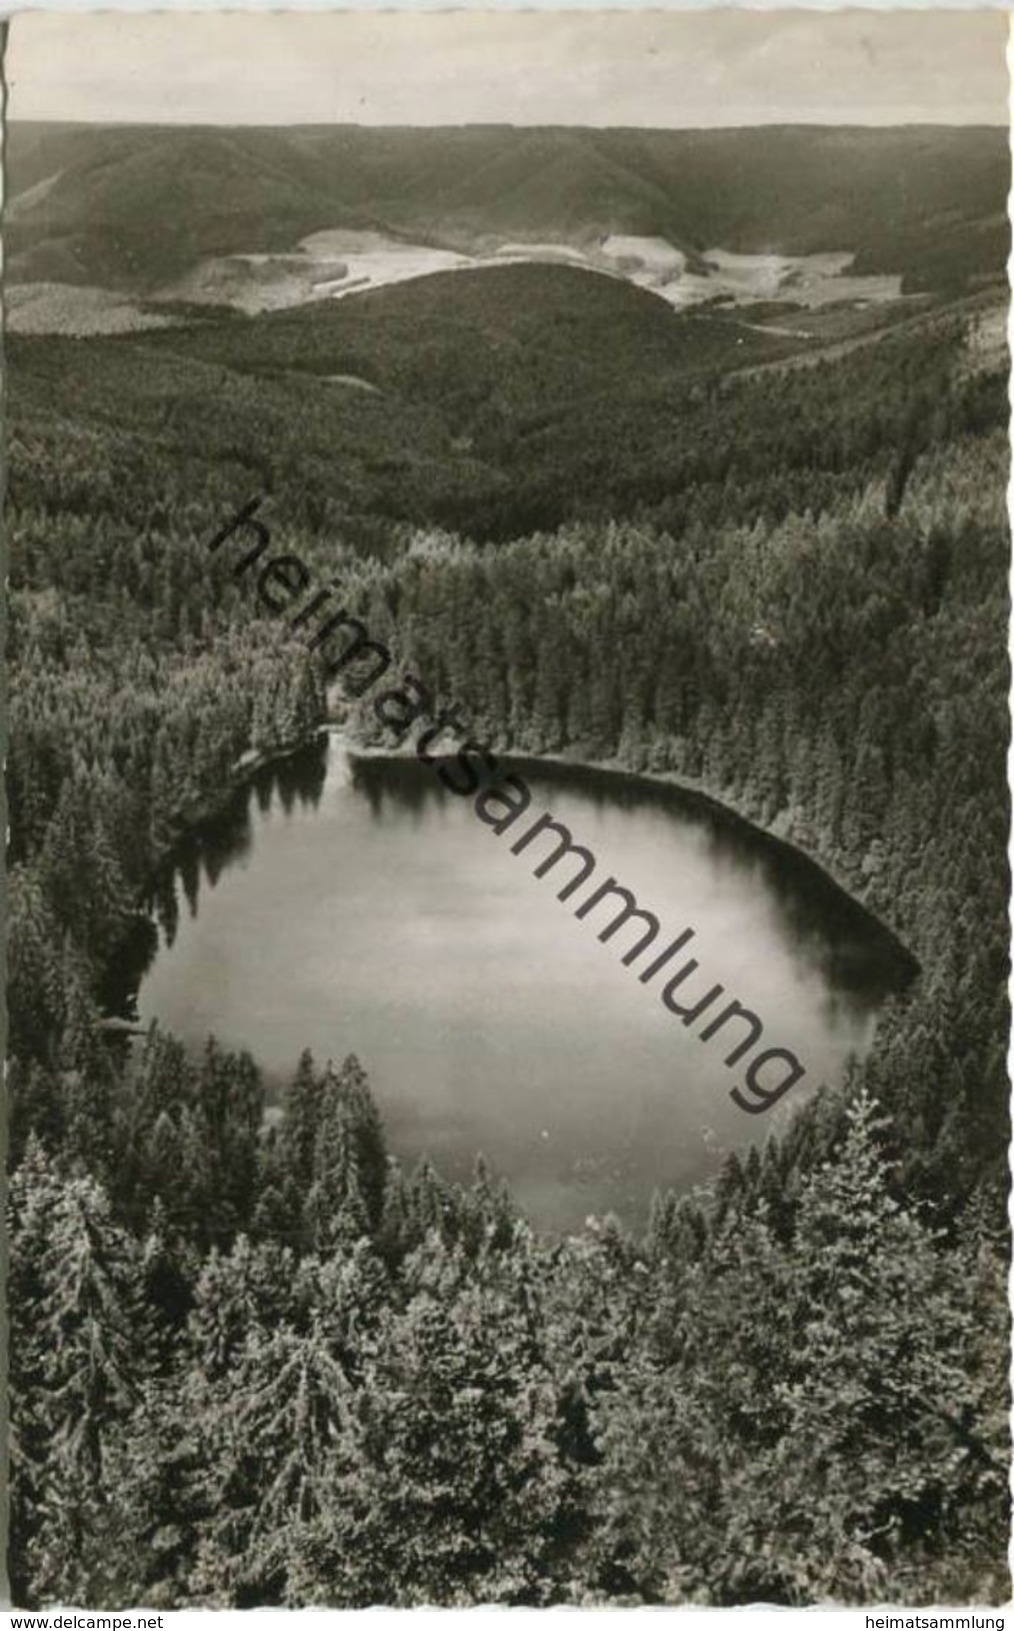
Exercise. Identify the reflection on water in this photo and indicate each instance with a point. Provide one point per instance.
(223, 840)
(822, 926)
(359, 906)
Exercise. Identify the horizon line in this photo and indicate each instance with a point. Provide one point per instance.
(505, 125)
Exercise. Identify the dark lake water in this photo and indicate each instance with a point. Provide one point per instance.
(355, 906)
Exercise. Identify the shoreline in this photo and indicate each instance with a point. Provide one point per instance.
(188, 819)
(243, 771)
(250, 763)
(692, 789)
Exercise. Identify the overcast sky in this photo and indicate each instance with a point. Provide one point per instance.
(669, 69)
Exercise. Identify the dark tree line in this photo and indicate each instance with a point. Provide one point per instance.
(838, 677)
(253, 1370)
(255, 1362)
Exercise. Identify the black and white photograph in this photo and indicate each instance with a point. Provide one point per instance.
(507, 877)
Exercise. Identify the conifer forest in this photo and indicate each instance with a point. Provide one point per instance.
(258, 1356)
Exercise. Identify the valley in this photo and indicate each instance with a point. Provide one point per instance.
(317, 215)
(340, 264)
(335, 265)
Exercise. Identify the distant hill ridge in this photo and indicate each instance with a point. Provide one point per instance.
(131, 206)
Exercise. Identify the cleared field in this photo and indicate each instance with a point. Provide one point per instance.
(338, 263)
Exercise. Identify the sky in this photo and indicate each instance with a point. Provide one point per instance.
(686, 68)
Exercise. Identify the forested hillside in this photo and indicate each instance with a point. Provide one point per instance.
(105, 205)
(257, 1362)
(491, 404)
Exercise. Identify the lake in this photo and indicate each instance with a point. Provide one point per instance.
(354, 906)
